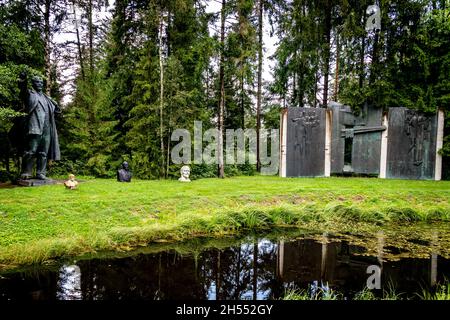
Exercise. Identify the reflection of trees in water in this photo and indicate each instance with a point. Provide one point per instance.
(35, 283)
(166, 275)
(229, 271)
(238, 272)
(269, 285)
(205, 273)
(234, 273)
(254, 269)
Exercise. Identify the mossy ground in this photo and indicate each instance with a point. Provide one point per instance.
(41, 223)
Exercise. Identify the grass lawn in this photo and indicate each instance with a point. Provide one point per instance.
(41, 223)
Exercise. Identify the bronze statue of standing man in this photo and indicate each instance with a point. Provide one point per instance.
(40, 135)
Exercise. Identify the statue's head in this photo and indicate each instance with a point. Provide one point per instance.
(125, 165)
(71, 177)
(37, 83)
(185, 171)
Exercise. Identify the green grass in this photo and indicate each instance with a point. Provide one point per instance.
(440, 292)
(319, 294)
(41, 223)
(365, 294)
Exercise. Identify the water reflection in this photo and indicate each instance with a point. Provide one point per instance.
(69, 283)
(259, 269)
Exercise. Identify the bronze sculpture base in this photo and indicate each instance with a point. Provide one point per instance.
(35, 182)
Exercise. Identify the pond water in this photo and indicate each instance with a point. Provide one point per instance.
(249, 268)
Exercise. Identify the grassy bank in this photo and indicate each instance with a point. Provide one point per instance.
(41, 223)
(440, 292)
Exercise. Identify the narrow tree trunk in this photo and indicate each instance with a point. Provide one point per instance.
(316, 88)
(327, 36)
(7, 156)
(208, 77)
(374, 63)
(237, 284)
(300, 89)
(259, 92)
(336, 75)
(294, 84)
(168, 152)
(17, 163)
(221, 173)
(218, 277)
(47, 46)
(242, 102)
(161, 90)
(80, 54)
(361, 62)
(91, 38)
(169, 47)
(242, 62)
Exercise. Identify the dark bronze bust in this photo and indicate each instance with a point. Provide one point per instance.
(39, 130)
(124, 174)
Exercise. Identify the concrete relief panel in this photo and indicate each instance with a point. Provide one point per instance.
(306, 129)
(411, 151)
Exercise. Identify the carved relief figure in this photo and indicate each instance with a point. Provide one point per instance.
(418, 130)
(303, 130)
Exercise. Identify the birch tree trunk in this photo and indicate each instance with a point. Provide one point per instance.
(221, 173)
(259, 93)
(161, 91)
(77, 31)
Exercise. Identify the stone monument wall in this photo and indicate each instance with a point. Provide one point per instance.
(401, 143)
(411, 150)
(305, 151)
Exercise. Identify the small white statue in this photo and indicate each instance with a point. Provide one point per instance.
(71, 183)
(185, 172)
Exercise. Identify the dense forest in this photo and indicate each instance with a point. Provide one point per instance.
(128, 73)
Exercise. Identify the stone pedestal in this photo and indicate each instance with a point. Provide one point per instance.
(35, 182)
